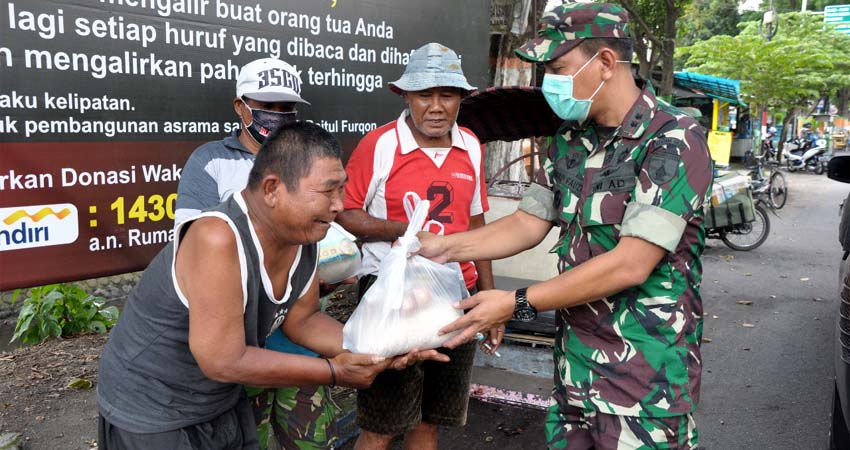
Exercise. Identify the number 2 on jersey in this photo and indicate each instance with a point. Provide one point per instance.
(440, 195)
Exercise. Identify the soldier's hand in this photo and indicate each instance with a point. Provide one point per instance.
(414, 356)
(489, 309)
(433, 247)
(358, 370)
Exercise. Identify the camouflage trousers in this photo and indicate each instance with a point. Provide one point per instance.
(301, 418)
(573, 428)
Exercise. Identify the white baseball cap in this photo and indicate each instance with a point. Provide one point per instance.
(269, 80)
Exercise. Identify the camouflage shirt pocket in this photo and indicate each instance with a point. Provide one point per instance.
(569, 180)
(610, 191)
(604, 208)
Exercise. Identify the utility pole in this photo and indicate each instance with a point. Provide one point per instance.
(767, 29)
(770, 22)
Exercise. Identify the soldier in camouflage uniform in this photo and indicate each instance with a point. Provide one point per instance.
(627, 177)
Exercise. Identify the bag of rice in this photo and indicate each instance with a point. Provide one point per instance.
(409, 302)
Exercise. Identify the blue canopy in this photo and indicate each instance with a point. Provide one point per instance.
(716, 87)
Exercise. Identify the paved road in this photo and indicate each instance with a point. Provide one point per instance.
(769, 386)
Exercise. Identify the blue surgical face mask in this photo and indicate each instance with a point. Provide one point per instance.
(558, 91)
(263, 122)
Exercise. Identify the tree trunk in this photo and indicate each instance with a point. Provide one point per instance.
(842, 99)
(668, 48)
(642, 52)
(666, 89)
(785, 136)
(647, 45)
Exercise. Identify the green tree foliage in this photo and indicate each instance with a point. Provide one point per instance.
(750, 16)
(654, 33)
(803, 62)
(783, 6)
(61, 310)
(703, 19)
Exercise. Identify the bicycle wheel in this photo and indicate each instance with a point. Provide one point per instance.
(748, 236)
(778, 189)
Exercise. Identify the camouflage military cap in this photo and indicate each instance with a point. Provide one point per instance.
(566, 26)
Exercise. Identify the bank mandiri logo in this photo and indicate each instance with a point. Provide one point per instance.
(38, 226)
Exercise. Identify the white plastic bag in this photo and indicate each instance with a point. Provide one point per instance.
(339, 257)
(409, 302)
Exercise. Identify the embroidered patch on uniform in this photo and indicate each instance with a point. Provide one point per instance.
(623, 154)
(618, 155)
(618, 178)
(574, 181)
(663, 164)
(573, 160)
(637, 119)
(568, 172)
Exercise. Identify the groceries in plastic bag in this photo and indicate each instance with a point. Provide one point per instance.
(339, 257)
(409, 302)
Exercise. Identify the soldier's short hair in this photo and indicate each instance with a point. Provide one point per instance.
(624, 48)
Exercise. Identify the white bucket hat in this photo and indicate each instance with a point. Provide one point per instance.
(432, 65)
(269, 80)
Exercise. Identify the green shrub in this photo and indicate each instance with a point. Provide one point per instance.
(61, 310)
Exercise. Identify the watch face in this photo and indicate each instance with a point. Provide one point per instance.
(525, 315)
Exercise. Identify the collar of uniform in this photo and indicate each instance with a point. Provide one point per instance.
(408, 143)
(232, 142)
(636, 120)
(642, 111)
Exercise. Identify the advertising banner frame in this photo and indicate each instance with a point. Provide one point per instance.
(102, 102)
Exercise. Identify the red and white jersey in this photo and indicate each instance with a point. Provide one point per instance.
(388, 162)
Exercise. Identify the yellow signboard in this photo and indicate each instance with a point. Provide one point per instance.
(720, 146)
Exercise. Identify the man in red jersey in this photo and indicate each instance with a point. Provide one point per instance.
(424, 152)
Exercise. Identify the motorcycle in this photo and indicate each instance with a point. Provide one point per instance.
(796, 145)
(800, 144)
(806, 156)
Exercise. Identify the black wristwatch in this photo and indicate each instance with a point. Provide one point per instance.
(523, 311)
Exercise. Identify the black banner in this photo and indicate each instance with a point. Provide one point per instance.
(103, 100)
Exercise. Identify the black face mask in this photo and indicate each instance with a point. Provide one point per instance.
(263, 122)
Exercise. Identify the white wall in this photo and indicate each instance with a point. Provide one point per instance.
(534, 264)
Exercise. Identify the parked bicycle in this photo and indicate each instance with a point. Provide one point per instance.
(773, 188)
(734, 215)
(740, 226)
